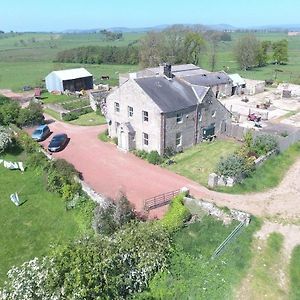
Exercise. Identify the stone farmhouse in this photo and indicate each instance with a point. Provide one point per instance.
(167, 108)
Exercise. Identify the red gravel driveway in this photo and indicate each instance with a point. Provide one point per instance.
(109, 170)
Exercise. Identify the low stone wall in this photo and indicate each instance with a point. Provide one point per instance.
(219, 213)
(101, 200)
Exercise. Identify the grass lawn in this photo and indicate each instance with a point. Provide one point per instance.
(193, 274)
(90, 119)
(52, 113)
(295, 274)
(28, 230)
(199, 161)
(268, 175)
(263, 278)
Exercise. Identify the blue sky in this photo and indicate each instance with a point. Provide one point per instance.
(53, 15)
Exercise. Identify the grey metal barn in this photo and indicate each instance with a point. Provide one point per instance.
(72, 80)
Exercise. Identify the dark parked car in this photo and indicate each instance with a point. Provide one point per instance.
(41, 133)
(58, 142)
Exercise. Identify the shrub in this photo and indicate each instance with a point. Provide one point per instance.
(169, 151)
(176, 215)
(234, 166)
(124, 211)
(264, 143)
(140, 153)
(31, 115)
(69, 190)
(103, 218)
(36, 160)
(60, 179)
(113, 216)
(154, 158)
(115, 140)
(73, 115)
(26, 142)
(9, 112)
(5, 139)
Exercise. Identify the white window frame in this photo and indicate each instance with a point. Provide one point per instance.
(178, 138)
(179, 118)
(130, 111)
(117, 107)
(145, 116)
(145, 139)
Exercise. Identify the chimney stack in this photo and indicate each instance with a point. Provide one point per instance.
(168, 70)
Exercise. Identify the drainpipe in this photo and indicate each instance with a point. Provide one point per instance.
(162, 133)
(196, 125)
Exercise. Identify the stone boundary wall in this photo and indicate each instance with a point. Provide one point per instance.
(220, 214)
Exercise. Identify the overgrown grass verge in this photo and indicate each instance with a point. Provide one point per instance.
(269, 175)
(295, 274)
(263, 279)
(193, 274)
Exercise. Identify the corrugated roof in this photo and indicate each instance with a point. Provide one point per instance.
(72, 73)
(209, 79)
(170, 95)
(236, 79)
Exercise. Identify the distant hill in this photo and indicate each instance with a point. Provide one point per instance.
(218, 27)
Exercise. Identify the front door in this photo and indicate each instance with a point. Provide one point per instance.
(122, 141)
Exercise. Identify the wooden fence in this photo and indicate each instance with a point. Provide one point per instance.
(159, 200)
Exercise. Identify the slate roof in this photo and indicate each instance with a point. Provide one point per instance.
(171, 95)
(209, 79)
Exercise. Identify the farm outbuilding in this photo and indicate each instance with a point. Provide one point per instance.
(72, 80)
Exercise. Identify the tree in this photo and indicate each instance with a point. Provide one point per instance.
(33, 114)
(124, 211)
(214, 39)
(151, 49)
(262, 55)
(194, 44)
(280, 52)
(9, 112)
(246, 51)
(112, 216)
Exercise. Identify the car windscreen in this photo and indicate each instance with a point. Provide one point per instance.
(38, 131)
(58, 138)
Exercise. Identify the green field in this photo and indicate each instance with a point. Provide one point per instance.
(197, 162)
(25, 59)
(28, 231)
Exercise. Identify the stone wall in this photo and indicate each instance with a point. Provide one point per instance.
(219, 213)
